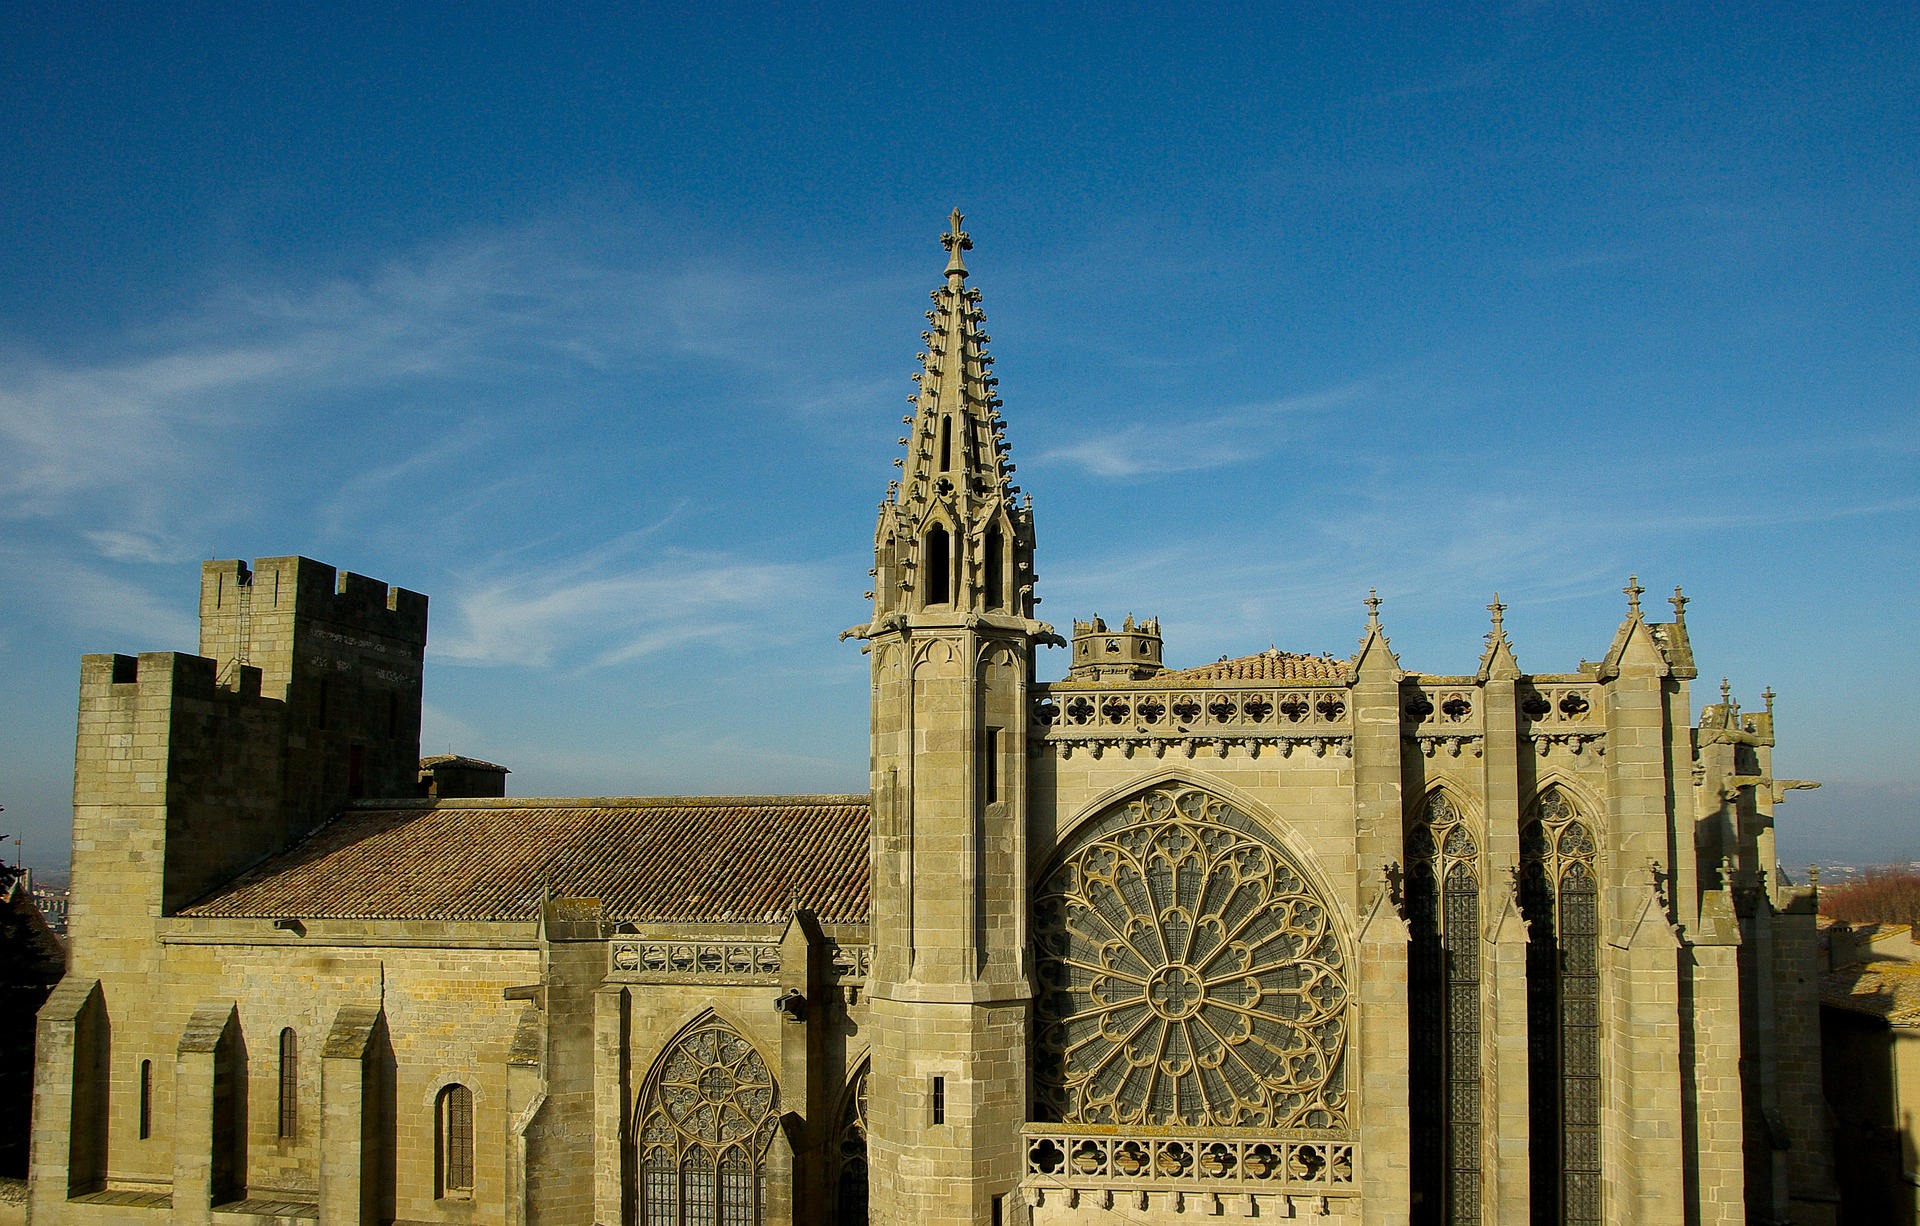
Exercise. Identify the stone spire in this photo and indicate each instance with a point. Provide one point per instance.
(952, 535)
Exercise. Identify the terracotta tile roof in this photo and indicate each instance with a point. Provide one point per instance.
(454, 759)
(1269, 665)
(671, 859)
(1881, 988)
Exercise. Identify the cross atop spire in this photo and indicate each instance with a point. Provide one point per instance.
(1679, 602)
(1634, 591)
(956, 240)
(1373, 603)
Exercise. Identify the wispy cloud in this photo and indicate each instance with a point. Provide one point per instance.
(1178, 444)
(616, 604)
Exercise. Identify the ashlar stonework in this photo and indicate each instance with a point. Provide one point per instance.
(1285, 936)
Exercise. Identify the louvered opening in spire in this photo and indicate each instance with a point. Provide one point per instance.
(956, 469)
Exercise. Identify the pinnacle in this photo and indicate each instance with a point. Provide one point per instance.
(956, 240)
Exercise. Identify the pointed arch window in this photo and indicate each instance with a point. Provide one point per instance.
(708, 1114)
(936, 561)
(1443, 991)
(453, 1143)
(1559, 898)
(995, 568)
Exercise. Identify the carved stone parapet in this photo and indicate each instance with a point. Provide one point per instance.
(849, 962)
(677, 961)
(1217, 744)
(1560, 705)
(1089, 1160)
(1183, 711)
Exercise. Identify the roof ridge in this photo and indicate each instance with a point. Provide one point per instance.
(609, 802)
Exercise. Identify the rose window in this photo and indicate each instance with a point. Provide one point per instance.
(1190, 975)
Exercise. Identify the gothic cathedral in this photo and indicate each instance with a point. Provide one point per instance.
(1283, 936)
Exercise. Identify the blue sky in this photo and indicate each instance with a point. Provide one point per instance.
(597, 327)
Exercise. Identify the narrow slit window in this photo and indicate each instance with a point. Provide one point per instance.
(937, 559)
(146, 1099)
(990, 766)
(289, 1084)
(939, 1097)
(946, 444)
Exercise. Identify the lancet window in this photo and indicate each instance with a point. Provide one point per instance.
(936, 562)
(1191, 975)
(704, 1123)
(1559, 897)
(1443, 990)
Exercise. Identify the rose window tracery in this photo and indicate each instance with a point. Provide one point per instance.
(1190, 975)
(704, 1125)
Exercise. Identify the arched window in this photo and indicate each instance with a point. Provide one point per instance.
(1443, 997)
(453, 1143)
(289, 1084)
(994, 567)
(946, 443)
(936, 563)
(1560, 900)
(708, 1114)
(1190, 975)
(850, 1197)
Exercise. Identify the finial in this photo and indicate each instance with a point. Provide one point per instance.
(1769, 695)
(955, 240)
(1499, 612)
(1726, 692)
(1373, 609)
(1679, 602)
(1633, 591)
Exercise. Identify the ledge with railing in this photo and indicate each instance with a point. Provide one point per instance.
(1077, 1160)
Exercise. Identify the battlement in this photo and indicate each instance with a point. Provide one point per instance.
(1131, 653)
(310, 590)
(171, 672)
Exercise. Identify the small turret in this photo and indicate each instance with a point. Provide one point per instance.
(1131, 653)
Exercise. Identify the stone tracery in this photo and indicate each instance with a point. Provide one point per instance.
(1191, 975)
(704, 1126)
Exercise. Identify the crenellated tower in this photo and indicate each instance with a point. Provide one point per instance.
(952, 641)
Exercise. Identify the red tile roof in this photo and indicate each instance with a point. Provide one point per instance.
(669, 859)
(1269, 665)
